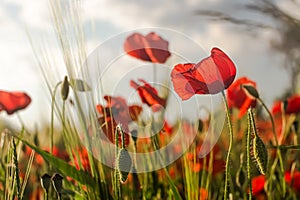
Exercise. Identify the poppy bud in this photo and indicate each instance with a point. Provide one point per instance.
(251, 91)
(124, 164)
(45, 182)
(259, 150)
(65, 88)
(260, 154)
(57, 183)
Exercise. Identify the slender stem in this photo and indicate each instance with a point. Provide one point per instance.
(279, 157)
(285, 147)
(116, 173)
(248, 154)
(272, 120)
(227, 169)
(16, 164)
(52, 115)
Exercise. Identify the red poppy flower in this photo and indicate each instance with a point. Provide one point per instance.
(258, 184)
(210, 76)
(117, 112)
(148, 95)
(293, 106)
(293, 180)
(237, 96)
(150, 48)
(13, 101)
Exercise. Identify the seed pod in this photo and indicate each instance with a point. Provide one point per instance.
(259, 150)
(260, 154)
(45, 182)
(124, 164)
(251, 91)
(57, 182)
(65, 89)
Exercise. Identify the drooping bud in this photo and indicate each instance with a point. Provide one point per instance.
(45, 182)
(57, 183)
(251, 91)
(65, 88)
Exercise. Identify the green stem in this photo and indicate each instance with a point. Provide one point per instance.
(279, 157)
(248, 153)
(285, 147)
(52, 115)
(227, 169)
(116, 172)
(272, 120)
(15, 156)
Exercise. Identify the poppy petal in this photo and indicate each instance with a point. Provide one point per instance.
(210, 76)
(237, 97)
(225, 66)
(13, 101)
(134, 46)
(149, 95)
(150, 48)
(293, 105)
(157, 48)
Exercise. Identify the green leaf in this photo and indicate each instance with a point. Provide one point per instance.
(62, 166)
(79, 85)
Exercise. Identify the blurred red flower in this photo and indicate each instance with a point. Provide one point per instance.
(293, 179)
(82, 154)
(266, 131)
(13, 101)
(149, 95)
(150, 48)
(218, 162)
(210, 76)
(293, 105)
(258, 184)
(117, 112)
(238, 98)
(203, 194)
(39, 160)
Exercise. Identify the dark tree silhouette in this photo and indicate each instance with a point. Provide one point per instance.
(286, 26)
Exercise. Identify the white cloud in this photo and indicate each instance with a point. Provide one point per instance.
(18, 66)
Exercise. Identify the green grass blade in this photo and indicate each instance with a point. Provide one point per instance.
(68, 170)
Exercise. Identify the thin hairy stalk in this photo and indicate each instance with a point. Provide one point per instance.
(278, 157)
(17, 173)
(248, 153)
(117, 189)
(227, 168)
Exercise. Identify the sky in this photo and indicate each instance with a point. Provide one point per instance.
(109, 19)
